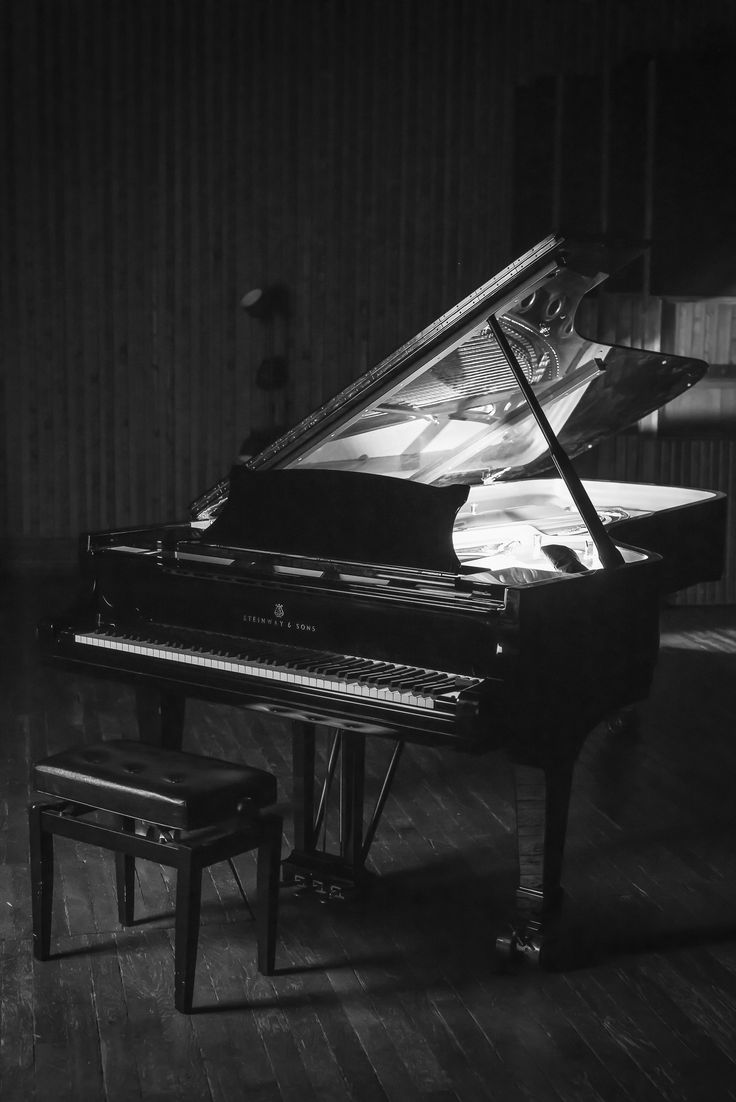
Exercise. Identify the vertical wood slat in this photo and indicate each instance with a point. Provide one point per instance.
(164, 158)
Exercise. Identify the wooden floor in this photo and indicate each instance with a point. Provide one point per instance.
(401, 997)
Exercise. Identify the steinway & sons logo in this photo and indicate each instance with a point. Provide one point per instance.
(279, 619)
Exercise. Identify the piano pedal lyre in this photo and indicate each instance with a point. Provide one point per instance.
(311, 867)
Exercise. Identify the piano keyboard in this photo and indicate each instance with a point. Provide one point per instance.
(320, 671)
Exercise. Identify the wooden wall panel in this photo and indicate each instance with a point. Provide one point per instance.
(162, 157)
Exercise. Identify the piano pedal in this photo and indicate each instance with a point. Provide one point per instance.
(325, 891)
(308, 887)
(324, 878)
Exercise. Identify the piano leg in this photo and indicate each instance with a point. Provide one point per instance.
(542, 802)
(160, 716)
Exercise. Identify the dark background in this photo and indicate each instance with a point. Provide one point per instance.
(376, 158)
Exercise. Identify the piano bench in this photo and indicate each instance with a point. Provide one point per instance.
(193, 811)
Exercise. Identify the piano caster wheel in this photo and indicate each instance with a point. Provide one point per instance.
(532, 951)
(516, 947)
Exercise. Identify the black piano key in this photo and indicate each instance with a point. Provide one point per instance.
(413, 676)
(388, 680)
(418, 687)
(464, 682)
(437, 686)
(377, 668)
(324, 666)
(305, 660)
(424, 686)
(351, 672)
(406, 683)
(340, 672)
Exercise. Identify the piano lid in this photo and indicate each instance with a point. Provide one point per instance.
(445, 408)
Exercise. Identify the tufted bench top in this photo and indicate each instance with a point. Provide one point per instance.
(169, 787)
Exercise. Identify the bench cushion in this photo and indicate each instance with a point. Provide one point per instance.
(169, 787)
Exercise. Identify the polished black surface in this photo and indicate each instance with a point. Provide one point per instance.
(341, 515)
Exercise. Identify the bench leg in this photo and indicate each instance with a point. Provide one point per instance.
(125, 878)
(42, 882)
(267, 883)
(188, 902)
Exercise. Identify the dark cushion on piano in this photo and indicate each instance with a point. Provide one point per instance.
(168, 787)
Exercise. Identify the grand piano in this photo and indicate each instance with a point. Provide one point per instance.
(418, 561)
